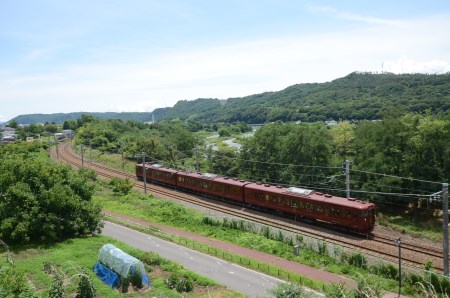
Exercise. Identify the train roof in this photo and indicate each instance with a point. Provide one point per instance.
(159, 167)
(215, 178)
(310, 195)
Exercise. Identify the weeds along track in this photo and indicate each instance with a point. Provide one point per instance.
(376, 244)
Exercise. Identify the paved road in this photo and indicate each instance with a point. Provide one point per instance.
(249, 282)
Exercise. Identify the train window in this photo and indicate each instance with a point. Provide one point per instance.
(302, 205)
(309, 206)
(365, 214)
(180, 179)
(294, 203)
(259, 196)
(319, 208)
(273, 198)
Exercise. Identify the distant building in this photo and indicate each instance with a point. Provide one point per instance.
(68, 133)
(331, 123)
(59, 136)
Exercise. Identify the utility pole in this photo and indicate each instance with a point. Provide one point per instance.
(82, 157)
(144, 172)
(347, 178)
(398, 241)
(57, 153)
(123, 164)
(197, 168)
(90, 152)
(445, 225)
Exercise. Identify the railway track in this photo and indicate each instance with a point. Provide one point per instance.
(377, 244)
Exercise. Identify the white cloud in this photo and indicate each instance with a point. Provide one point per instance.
(406, 65)
(346, 15)
(145, 81)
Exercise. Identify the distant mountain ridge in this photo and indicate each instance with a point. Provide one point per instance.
(356, 96)
(61, 117)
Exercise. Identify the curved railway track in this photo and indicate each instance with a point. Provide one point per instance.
(377, 244)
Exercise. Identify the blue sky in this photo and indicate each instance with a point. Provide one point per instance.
(138, 55)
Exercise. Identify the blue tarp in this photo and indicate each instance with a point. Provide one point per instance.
(106, 275)
(121, 263)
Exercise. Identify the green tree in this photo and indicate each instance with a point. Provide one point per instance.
(343, 136)
(12, 124)
(42, 201)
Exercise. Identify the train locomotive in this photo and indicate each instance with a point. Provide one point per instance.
(349, 213)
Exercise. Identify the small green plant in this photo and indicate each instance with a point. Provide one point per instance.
(337, 290)
(151, 258)
(172, 280)
(428, 265)
(57, 289)
(323, 248)
(291, 290)
(358, 260)
(124, 284)
(179, 283)
(85, 286)
(136, 278)
(366, 290)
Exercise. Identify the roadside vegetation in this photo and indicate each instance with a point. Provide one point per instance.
(373, 275)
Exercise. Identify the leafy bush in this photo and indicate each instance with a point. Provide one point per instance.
(179, 283)
(358, 260)
(12, 282)
(121, 186)
(85, 286)
(291, 290)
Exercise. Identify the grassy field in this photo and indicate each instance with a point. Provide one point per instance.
(72, 254)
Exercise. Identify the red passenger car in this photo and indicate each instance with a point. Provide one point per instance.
(157, 173)
(350, 213)
(213, 185)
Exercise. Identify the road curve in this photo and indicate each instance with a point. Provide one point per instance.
(249, 282)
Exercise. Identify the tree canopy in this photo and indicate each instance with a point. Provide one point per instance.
(41, 201)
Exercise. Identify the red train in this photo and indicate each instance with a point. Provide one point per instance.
(349, 213)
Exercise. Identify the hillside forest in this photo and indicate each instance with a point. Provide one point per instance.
(357, 96)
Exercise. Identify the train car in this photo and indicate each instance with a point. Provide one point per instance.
(349, 213)
(213, 185)
(156, 173)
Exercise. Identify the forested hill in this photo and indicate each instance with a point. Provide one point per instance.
(61, 117)
(355, 96)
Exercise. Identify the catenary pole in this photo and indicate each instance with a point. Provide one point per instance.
(82, 156)
(347, 178)
(144, 172)
(123, 164)
(197, 168)
(398, 241)
(445, 225)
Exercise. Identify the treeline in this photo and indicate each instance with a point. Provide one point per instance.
(312, 156)
(306, 155)
(358, 96)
